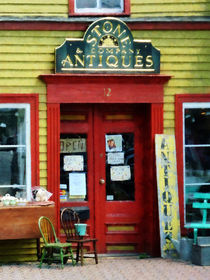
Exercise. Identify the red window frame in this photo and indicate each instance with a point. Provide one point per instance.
(126, 11)
(179, 100)
(31, 99)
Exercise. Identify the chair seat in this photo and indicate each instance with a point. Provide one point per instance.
(81, 240)
(58, 245)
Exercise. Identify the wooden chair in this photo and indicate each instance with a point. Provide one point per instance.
(68, 219)
(53, 250)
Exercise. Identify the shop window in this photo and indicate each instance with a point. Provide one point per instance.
(94, 7)
(196, 139)
(15, 148)
(193, 152)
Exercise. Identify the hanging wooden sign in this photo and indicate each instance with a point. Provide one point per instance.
(168, 201)
(107, 46)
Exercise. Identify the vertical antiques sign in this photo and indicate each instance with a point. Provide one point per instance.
(107, 47)
(168, 201)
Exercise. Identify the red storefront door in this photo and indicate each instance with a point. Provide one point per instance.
(112, 164)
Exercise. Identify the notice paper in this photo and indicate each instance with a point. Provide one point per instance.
(120, 173)
(77, 184)
(73, 163)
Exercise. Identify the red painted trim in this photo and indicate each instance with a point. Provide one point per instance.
(53, 155)
(124, 13)
(82, 26)
(179, 100)
(31, 99)
(92, 88)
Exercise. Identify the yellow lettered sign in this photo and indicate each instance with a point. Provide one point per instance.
(168, 201)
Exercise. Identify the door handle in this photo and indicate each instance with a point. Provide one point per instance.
(101, 181)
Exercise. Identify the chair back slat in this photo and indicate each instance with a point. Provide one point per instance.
(47, 230)
(68, 218)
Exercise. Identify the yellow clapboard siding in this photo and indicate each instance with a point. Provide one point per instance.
(43, 182)
(166, 66)
(189, 82)
(42, 140)
(33, 8)
(157, 2)
(188, 75)
(42, 149)
(21, 73)
(43, 173)
(42, 131)
(168, 14)
(183, 50)
(27, 57)
(40, 2)
(169, 115)
(42, 123)
(186, 58)
(43, 114)
(169, 131)
(16, 89)
(20, 82)
(43, 165)
(42, 34)
(169, 124)
(172, 34)
(18, 250)
(42, 66)
(170, 7)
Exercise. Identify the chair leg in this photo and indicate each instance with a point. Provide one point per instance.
(61, 257)
(77, 253)
(82, 253)
(95, 252)
(42, 257)
(72, 256)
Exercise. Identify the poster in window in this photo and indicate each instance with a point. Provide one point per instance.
(73, 163)
(120, 173)
(114, 143)
(77, 184)
(115, 158)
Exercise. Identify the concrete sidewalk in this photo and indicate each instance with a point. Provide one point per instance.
(109, 268)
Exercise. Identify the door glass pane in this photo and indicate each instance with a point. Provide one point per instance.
(80, 4)
(109, 4)
(120, 166)
(73, 167)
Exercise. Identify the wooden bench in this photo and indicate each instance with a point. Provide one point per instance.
(203, 206)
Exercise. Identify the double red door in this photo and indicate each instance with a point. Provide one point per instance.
(102, 167)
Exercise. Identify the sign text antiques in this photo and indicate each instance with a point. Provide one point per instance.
(107, 46)
(167, 194)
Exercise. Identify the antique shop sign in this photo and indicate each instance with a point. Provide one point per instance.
(107, 46)
(167, 194)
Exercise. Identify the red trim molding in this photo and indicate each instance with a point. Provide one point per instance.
(179, 100)
(31, 99)
(82, 26)
(104, 88)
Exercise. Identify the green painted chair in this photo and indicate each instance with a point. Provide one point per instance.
(53, 251)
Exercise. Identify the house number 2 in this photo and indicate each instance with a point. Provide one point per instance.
(107, 92)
